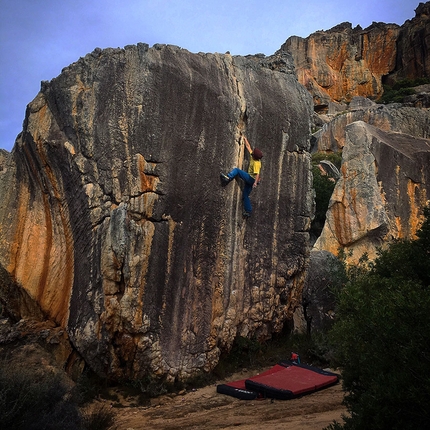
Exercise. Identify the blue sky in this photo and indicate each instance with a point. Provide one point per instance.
(40, 37)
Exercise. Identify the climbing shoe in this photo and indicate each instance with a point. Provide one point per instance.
(246, 214)
(224, 178)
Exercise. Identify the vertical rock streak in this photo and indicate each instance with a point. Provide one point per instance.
(42, 256)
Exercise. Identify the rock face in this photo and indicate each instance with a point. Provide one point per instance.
(413, 47)
(394, 117)
(318, 297)
(384, 185)
(114, 221)
(344, 62)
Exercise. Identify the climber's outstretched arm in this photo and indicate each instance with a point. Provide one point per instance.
(248, 146)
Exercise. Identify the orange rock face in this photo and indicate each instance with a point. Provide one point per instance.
(341, 63)
(37, 226)
(344, 62)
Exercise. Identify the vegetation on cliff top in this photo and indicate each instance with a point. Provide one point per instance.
(401, 89)
(35, 399)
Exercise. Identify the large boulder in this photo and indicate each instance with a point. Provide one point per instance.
(114, 221)
(393, 117)
(380, 196)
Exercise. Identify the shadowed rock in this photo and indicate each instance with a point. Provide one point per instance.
(318, 292)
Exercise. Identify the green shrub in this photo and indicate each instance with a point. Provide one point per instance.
(401, 89)
(29, 401)
(381, 338)
(410, 83)
(40, 400)
(100, 418)
(243, 354)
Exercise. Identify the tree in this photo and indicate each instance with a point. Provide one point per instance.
(381, 338)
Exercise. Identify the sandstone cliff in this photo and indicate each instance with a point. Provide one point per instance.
(344, 62)
(379, 196)
(413, 47)
(393, 117)
(384, 186)
(113, 219)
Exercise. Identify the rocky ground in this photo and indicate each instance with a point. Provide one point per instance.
(205, 409)
(201, 408)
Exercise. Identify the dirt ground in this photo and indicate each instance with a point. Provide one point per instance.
(204, 408)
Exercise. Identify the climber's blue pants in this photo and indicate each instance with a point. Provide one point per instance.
(249, 182)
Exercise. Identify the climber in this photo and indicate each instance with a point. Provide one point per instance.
(250, 178)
